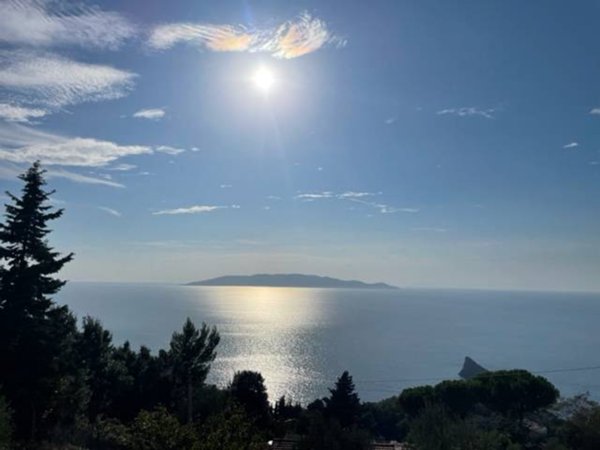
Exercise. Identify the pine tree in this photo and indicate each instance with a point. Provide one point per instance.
(191, 353)
(36, 336)
(343, 403)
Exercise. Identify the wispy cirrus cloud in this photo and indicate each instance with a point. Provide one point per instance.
(300, 36)
(571, 145)
(44, 23)
(51, 81)
(111, 211)
(15, 113)
(150, 114)
(595, 111)
(357, 197)
(84, 179)
(468, 111)
(169, 150)
(123, 167)
(195, 209)
(24, 144)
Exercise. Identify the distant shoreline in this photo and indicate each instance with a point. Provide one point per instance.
(289, 280)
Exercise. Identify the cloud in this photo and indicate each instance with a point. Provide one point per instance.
(22, 144)
(124, 167)
(15, 113)
(169, 150)
(46, 79)
(78, 178)
(112, 212)
(316, 196)
(390, 120)
(225, 186)
(196, 209)
(44, 23)
(469, 111)
(151, 114)
(595, 111)
(352, 194)
(305, 34)
(571, 145)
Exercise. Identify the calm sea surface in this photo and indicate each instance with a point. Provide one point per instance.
(302, 339)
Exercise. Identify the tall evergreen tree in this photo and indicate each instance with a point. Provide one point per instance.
(191, 353)
(343, 404)
(36, 336)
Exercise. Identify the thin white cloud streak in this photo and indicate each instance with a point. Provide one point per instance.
(390, 120)
(292, 39)
(357, 197)
(111, 211)
(167, 149)
(15, 113)
(571, 145)
(78, 178)
(124, 167)
(196, 209)
(468, 111)
(54, 81)
(595, 111)
(150, 114)
(45, 24)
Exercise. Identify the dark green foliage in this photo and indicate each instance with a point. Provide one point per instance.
(230, 430)
(515, 392)
(343, 403)
(5, 425)
(414, 400)
(437, 429)
(191, 353)
(106, 375)
(386, 419)
(324, 433)
(458, 396)
(581, 430)
(159, 430)
(43, 390)
(284, 410)
(248, 390)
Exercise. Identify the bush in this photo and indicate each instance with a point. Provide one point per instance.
(5, 425)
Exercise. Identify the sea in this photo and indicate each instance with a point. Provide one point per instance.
(302, 339)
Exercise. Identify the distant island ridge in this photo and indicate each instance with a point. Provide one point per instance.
(288, 280)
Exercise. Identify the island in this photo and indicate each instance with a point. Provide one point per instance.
(288, 280)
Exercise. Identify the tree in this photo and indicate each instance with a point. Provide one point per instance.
(248, 390)
(36, 336)
(343, 403)
(413, 400)
(106, 375)
(5, 425)
(458, 396)
(515, 392)
(230, 430)
(191, 353)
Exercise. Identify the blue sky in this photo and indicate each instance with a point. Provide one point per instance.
(420, 143)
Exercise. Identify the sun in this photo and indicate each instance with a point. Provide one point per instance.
(263, 79)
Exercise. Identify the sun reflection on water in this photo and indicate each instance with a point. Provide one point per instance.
(272, 331)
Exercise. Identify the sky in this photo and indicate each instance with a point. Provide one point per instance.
(422, 143)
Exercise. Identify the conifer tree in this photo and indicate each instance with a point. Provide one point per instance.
(36, 336)
(191, 353)
(343, 403)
